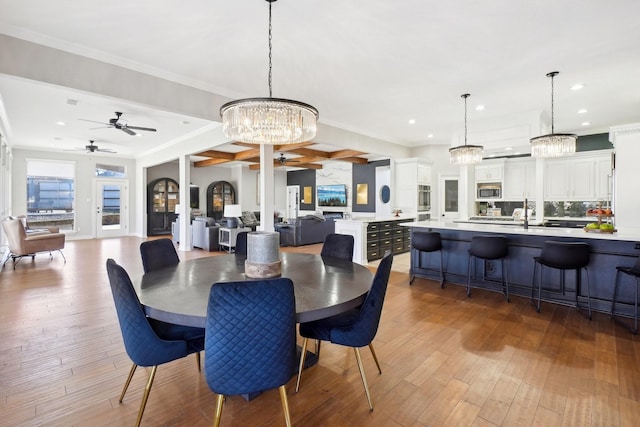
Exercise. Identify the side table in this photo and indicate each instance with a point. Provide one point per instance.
(227, 237)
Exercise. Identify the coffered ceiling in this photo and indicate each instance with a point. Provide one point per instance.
(369, 66)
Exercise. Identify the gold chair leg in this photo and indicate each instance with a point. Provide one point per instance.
(145, 396)
(126, 384)
(364, 378)
(198, 361)
(303, 355)
(285, 405)
(219, 402)
(373, 353)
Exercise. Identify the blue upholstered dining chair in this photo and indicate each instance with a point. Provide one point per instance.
(158, 253)
(161, 253)
(338, 246)
(148, 342)
(250, 343)
(241, 243)
(355, 328)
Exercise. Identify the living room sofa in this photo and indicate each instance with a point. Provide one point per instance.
(307, 230)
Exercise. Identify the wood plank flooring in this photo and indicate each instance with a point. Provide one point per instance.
(446, 359)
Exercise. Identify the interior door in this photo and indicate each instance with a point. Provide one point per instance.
(293, 201)
(449, 203)
(111, 212)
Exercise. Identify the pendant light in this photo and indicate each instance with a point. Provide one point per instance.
(553, 144)
(269, 120)
(465, 154)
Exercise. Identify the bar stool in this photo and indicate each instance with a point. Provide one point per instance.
(425, 241)
(635, 272)
(563, 256)
(489, 248)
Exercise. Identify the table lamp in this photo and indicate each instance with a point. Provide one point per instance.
(233, 211)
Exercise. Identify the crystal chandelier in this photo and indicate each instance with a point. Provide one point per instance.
(553, 144)
(465, 154)
(269, 120)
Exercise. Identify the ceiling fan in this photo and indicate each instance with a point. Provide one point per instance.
(91, 148)
(122, 125)
(283, 160)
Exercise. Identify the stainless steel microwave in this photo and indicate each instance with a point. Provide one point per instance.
(489, 190)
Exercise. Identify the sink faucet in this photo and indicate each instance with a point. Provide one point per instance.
(526, 214)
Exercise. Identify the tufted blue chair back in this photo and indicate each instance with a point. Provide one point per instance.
(363, 329)
(141, 342)
(241, 243)
(250, 340)
(158, 254)
(338, 246)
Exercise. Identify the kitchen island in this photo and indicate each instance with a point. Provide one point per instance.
(608, 250)
(375, 235)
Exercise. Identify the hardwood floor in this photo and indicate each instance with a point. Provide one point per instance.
(446, 359)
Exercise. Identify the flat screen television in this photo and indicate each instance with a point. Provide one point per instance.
(332, 195)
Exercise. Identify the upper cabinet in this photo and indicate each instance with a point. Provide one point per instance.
(519, 179)
(490, 171)
(582, 177)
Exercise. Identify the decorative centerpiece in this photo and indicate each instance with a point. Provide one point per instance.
(263, 255)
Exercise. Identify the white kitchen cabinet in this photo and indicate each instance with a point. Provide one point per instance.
(519, 179)
(489, 171)
(424, 174)
(577, 178)
(603, 179)
(409, 173)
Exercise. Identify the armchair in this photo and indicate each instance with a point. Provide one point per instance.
(204, 234)
(23, 244)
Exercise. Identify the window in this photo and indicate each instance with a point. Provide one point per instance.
(50, 194)
(110, 171)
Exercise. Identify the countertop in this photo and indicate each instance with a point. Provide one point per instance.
(367, 219)
(624, 235)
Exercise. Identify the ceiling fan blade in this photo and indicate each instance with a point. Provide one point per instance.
(93, 121)
(126, 129)
(139, 128)
(105, 150)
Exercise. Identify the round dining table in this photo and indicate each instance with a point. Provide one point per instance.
(323, 286)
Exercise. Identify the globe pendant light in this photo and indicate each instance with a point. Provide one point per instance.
(269, 120)
(553, 144)
(465, 154)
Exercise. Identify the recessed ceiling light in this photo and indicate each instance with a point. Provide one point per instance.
(412, 121)
(186, 122)
(585, 123)
(517, 153)
(479, 107)
(577, 86)
(55, 138)
(72, 101)
(508, 148)
(583, 111)
(492, 155)
(430, 135)
(61, 123)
